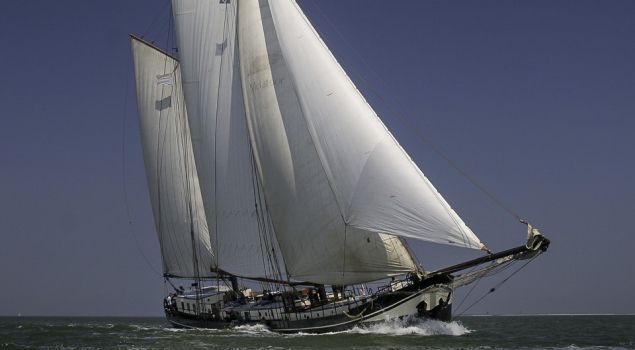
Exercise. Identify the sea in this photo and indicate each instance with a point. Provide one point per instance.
(468, 332)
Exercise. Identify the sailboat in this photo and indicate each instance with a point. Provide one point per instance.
(267, 168)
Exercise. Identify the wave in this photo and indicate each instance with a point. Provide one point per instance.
(408, 326)
(413, 327)
(256, 329)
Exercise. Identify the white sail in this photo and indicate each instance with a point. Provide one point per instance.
(206, 37)
(377, 186)
(318, 242)
(170, 169)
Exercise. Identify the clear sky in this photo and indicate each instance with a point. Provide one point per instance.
(534, 99)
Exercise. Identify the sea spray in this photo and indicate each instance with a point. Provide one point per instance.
(254, 330)
(413, 327)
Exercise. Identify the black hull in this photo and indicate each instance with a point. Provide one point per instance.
(403, 304)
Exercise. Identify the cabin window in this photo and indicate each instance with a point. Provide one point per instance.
(182, 306)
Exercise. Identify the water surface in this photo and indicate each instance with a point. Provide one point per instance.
(492, 332)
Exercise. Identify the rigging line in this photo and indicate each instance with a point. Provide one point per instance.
(268, 225)
(264, 233)
(468, 293)
(156, 17)
(493, 289)
(123, 179)
(220, 73)
(258, 219)
(500, 269)
(416, 130)
(166, 279)
(270, 231)
(495, 271)
(413, 257)
(344, 259)
(271, 234)
(266, 239)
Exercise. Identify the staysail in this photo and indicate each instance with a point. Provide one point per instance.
(335, 178)
(170, 169)
(206, 36)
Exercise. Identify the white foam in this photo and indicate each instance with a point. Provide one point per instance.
(255, 329)
(393, 327)
(413, 327)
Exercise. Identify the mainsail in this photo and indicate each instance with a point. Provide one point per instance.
(206, 36)
(170, 167)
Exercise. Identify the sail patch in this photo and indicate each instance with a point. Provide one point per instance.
(220, 48)
(164, 79)
(163, 103)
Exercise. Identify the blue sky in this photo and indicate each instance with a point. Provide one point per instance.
(535, 100)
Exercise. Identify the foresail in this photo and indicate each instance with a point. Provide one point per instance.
(170, 169)
(377, 186)
(206, 37)
(318, 242)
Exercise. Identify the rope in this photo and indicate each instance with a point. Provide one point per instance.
(468, 293)
(215, 164)
(493, 289)
(156, 17)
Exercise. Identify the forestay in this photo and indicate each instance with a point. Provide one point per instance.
(206, 37)
(170, 169)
